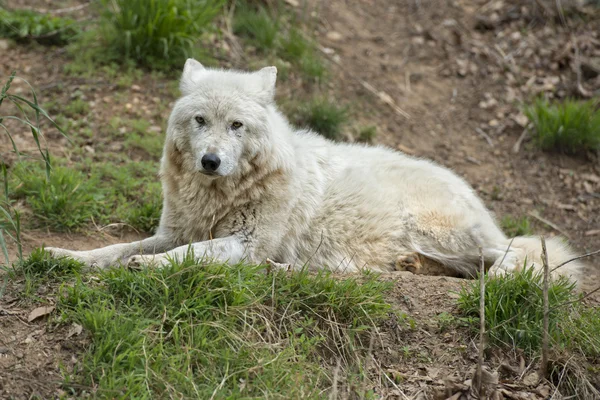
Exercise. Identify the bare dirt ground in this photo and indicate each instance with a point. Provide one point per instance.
(440, 79)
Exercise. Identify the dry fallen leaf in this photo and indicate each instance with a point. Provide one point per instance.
(75, 329)
(40, 312)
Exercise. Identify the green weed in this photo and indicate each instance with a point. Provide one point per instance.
(31, 114)
(192, 330)
(25, 25)
(516, 226)
(571, 126)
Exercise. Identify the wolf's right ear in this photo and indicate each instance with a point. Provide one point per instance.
(192, 70)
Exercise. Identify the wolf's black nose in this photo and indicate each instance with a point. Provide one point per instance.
(210, 162)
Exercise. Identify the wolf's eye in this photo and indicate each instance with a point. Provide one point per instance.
(236, 125)
(200, 121)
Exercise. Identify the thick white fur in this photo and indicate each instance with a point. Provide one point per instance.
(294, 197)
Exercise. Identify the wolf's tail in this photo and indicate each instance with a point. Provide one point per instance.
(558, 252)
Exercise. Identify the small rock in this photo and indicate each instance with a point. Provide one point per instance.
(4, 44)
(136, 88)
(333, 35)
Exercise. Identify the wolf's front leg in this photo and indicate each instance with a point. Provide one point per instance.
(114, 254)
(228, 249)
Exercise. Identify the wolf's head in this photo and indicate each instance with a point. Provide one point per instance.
(222, 123)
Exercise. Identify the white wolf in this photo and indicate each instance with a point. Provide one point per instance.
(240, 183)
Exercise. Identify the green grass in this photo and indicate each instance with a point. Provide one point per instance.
(258, 26)
(196, 331)
(141, 138)
(367, 134)
(30, 115)
(323, 116)
(67, 201)
(275, 36)
(302, 52)
(156, 34)
(571, 126)
(514, 320)
(514, 314)
(64, 201)
(76, 108)
(516, 226)
(26, 25)
(133, 192)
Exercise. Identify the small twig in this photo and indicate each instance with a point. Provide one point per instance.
(367, 360)
(60, 10)
(544, 360)
(566, 303)
(484, 135)
(517, 145)
(481, 323)
(334, 386)
(575, 259)
(552, 225)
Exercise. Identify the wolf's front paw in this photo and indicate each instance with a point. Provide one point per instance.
(153, 260)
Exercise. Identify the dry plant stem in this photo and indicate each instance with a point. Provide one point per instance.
(484, 135)
(481, 323)
(574, 259)
(544, 361)
(552, 225)
(336, 374)
(519, 141)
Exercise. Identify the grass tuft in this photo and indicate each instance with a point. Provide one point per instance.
(258, 26)
(42, 264)
(323, 116)
(64, 201)
(570, 127)
(514, 313)
(25, 25)
(153, 34)
(367, 134)
(198, 331)
(513, 227)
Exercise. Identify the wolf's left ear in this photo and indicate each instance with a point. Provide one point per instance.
(191, 71)
(268, 76)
